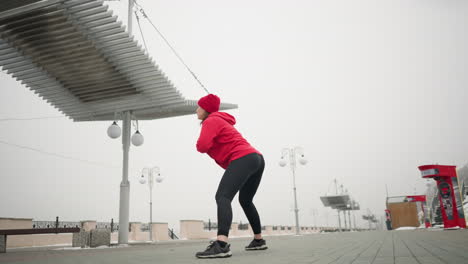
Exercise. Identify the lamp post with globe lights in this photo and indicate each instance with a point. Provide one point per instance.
(137, 139)
(114, 132)
(292, 153)
(148, 175)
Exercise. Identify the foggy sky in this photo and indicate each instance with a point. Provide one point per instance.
(370, 89)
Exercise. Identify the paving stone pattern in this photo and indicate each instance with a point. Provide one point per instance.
(418, 246)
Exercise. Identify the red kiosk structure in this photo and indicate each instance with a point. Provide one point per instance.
(451, 205)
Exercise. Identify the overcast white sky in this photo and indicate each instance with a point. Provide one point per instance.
(370, 89)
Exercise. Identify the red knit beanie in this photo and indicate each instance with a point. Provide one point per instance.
(210, 103)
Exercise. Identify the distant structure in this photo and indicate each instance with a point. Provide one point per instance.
(342, 203)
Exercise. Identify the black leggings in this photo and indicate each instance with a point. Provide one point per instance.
(243, 175)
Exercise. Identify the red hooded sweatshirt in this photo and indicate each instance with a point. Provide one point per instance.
(221, 141)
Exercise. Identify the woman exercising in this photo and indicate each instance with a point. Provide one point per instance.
(243, 166)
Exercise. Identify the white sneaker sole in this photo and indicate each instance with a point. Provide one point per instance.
(257, 248)
(219, 255)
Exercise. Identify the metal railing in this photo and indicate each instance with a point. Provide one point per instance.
(243, 227)
(54, 224)
(104, 225)
(145, 227)
(210, 225)
(171, 234)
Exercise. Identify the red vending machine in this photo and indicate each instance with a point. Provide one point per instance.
(451, 205)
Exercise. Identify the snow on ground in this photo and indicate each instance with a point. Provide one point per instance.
(406, 228)
(100, 247)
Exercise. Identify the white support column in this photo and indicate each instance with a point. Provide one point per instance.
(124, 208)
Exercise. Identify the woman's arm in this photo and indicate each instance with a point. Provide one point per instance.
(208, 133)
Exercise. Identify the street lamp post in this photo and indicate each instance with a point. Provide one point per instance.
(350, 207)
(151, 174)
(114, 131)
(314, 214)
(292, 163)
(355, 207)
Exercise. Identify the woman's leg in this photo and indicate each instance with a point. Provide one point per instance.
(246, 194)
(234, 177)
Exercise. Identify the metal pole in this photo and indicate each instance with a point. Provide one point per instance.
(354, 218)
(339, 221)
(349, 221)
(296, 210)
(124, 208)
(350, 224)
(150, 182)
(292, 157)
(315, 218)
(354, 215)
(345, 221)
(130, 17)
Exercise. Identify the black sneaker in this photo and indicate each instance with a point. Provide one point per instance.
(257, 245)
(215, 250)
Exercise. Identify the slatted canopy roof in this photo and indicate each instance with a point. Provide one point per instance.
(336, 201)
(79, 58)
(340, 202)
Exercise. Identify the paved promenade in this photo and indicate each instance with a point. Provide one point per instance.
(419, 246)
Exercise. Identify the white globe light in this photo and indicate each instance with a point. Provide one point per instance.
(142, 180)
(159, 178)
(302, 160)
(282, 162)
(114, 130)
(137, 139)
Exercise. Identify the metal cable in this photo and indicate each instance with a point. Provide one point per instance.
(28, 119)
(58, 155)
(140, 8)
(141, 32)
